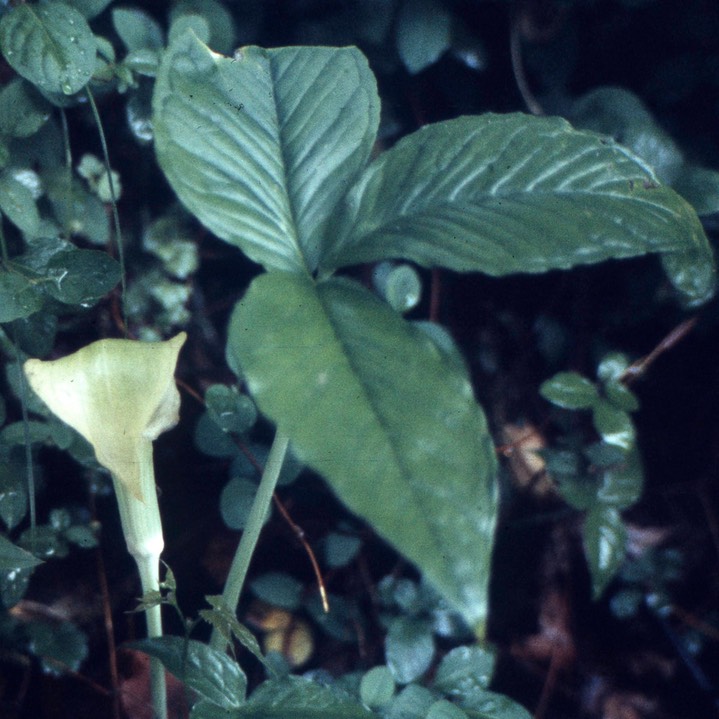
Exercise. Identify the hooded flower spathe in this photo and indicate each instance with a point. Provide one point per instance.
(120, 395)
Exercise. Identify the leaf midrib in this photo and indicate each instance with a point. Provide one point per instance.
(284, 164)
(405, 474)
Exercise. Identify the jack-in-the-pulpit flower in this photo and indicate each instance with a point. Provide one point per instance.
(121, 395)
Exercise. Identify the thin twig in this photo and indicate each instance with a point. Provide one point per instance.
(638, 368)
(300, 534)
(192, 392)
(691, 621)
(549, 683)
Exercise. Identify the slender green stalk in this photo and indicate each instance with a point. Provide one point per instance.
(141, 525)
(3, 245)
(148, 568)
(23, 406)
(26, 436)
(68, 147)
(113, 196)
(255, 520)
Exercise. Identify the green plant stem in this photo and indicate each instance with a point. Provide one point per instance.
(4, 255)
(29, 468)
(3, 246)
(149, 569)
(142, 527)
(255, 520)
(113, 196)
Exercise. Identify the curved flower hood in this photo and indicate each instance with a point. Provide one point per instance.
(120, 395)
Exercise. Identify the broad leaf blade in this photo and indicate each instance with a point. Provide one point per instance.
(505, 194)
(49, 44)
(376, 407)
(261, 147)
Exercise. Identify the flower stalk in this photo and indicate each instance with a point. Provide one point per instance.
(121, 395)
(253, 527)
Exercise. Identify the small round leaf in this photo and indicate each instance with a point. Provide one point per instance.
(82, 277)
(622, 484)
(621, 396)
(614, 425)
(18, 203)
(424, 30)
(464, 670)
(444, 709)
(51, 45)
(23, 111)
(232, 411)
(570, 390)
(341, 549)
(605, 539)
(236, 502)
(278, 589)
(211, 440)
(612, 366)
(409, 649)
(377, 687)
(18, 297)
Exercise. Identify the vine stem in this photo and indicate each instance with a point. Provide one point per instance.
(255, 520)
(113, 197)
(30, 470)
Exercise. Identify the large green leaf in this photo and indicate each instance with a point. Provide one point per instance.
(384, 414)
(296, 698)
(504, 194)
(261, 147)
(50, 44)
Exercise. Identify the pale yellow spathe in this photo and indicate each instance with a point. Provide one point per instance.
(120, 395)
